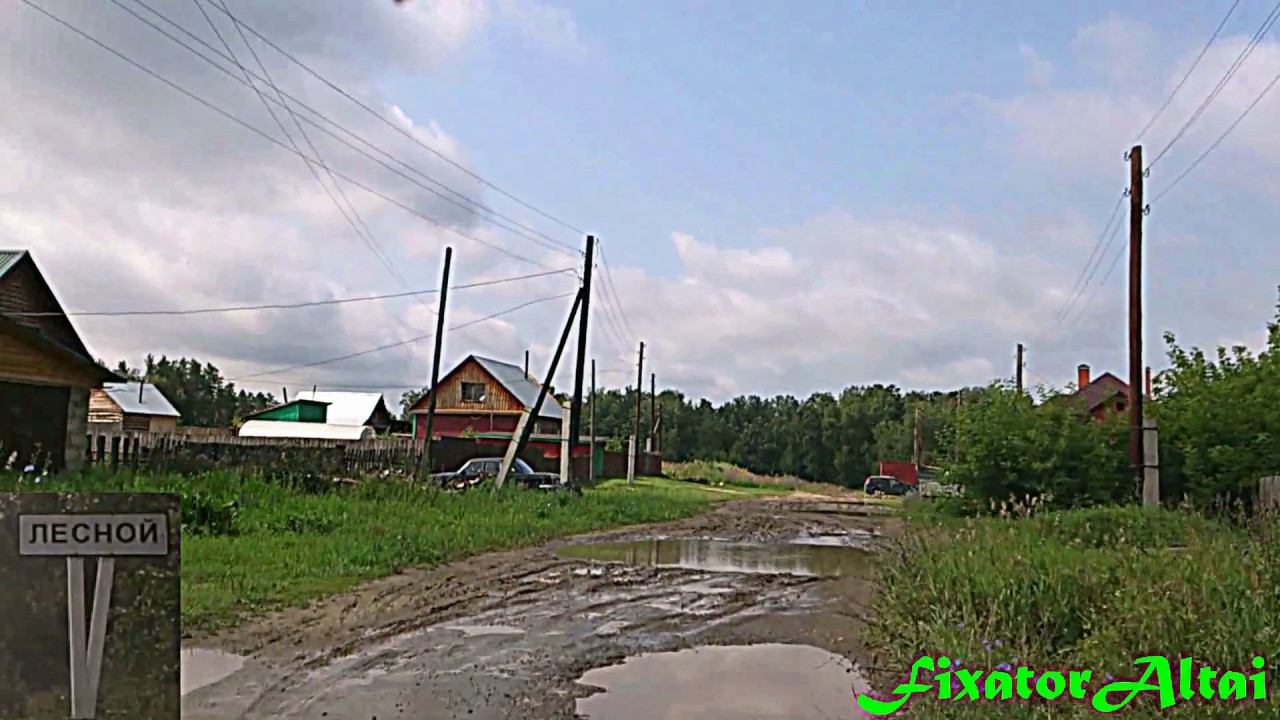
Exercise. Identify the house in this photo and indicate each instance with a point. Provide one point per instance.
(322, 416)
(46, 372)
(132, 407)
(1103, 396)
(483, 396)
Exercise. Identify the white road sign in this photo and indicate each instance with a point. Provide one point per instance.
(81, 535)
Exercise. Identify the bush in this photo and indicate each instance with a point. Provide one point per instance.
(1091, 589)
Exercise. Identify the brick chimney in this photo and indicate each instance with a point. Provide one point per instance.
(1082, 376)
(1148, 382)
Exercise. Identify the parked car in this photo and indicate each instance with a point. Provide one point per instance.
(478, 470)
(886, 485)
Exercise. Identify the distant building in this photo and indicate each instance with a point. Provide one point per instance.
(132, 407)
(1100, 397)
(322, 416)
(46, 373)
(485, 396)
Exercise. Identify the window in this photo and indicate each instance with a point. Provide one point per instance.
(473, 392)
(1120, 406)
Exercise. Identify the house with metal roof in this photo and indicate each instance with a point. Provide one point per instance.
(132, 407)
(352, 408)
(321, 416)
(46, 372)
(485, 397)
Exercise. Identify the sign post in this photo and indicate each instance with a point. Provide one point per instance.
(105, 537)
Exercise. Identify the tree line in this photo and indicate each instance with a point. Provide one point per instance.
(198, 391)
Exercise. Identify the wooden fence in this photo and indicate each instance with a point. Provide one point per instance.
(189, 453)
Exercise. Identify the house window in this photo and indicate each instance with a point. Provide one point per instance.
(1120, 406)
(473, 392)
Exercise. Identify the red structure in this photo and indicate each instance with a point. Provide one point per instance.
(905, 472)
(485, 397)
(1101, 397)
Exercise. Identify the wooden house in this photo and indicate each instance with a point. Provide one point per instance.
(46, 372)
(132, 407)
(485, 397)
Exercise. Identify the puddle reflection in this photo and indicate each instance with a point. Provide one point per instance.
(809, 560)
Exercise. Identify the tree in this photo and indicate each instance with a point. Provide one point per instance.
(198, 391)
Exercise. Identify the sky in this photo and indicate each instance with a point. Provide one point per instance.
(790, 197)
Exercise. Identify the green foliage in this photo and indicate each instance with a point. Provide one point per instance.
(1091, 588)
(1007, 447)
(198, 391)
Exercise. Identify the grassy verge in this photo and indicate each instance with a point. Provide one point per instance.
(1090, 589)
(722, 474)
(250, 545)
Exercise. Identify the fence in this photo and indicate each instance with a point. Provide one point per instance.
(1269, 493)
(188, 453)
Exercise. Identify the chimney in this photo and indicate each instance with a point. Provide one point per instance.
(526, 363)
(1148, 382)
(1082, 376)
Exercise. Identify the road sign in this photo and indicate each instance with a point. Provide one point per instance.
(76, 536)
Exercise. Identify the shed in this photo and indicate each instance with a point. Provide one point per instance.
(353, 408)
(133, 407)
(46, 372)
(299, 411)
(304, 430)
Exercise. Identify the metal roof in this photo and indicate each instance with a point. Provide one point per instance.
(345, 408)
(304, 430)
(10, 258)
(153, 401)
(524, 388)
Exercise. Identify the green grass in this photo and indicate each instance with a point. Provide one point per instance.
(250, 546)
(1088, 589)
(676, 488)
(723, 474)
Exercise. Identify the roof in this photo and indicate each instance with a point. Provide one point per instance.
(524, 388)
(1100, 390)
(303, 430)
(346, 408)
(153, 401)
(10, 260)
(277, 406)
(39, 340)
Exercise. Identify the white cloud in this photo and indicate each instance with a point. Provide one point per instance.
(1039, 71)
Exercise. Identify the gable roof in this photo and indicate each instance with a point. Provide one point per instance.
(70, 342)
(347, 408)
(277, 406)
(153, 402)
(1101, 389)
(512, 379)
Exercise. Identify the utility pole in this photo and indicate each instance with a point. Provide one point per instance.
(1018, 373)
(917, 441)
(575, 409)
(435, 360)
(652, 444)
(635, 425)
(1137, 457)
(591, 471)
(524, 428)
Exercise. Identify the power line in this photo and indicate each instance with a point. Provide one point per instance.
(1191, 69)
(468, 204)
(411, 136)
(255, 130)
(1098, 289)
(401, 343)
(609, 285)
(1217, 142)
(1270, 20)
(1072, 295)
(284, 306)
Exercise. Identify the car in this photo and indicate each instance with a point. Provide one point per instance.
(886, 485)
(477, 470)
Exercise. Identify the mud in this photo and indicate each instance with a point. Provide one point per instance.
(510, 634)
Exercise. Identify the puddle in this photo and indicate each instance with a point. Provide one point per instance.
(206, 667)
(755, 682)
(809, 560)
(852, 538)
(482, 630)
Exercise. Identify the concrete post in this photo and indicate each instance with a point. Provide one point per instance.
(1151, 464)
(77, 428)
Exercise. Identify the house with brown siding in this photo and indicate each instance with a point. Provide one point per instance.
(132, 407)
(1101, 397)
(46, 372)
(483, 396)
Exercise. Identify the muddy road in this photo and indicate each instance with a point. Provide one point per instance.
(511, 634)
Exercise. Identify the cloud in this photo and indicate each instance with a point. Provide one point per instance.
(1039, 72)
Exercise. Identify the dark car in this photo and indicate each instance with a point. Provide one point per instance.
(478, 470)
(885, 485)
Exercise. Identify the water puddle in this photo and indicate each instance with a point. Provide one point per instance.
(483, 630)
(206, 667)
(851, 538)
(755, 682)
(808, 560)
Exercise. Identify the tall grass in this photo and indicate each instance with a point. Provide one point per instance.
(1088, 589)
(250, 545)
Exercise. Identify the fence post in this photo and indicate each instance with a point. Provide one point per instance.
(1150, 463)
(631, 460)
(1269, 493)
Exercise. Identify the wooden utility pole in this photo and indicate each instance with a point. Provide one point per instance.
(524, 428)
(652, 445)
(635, 425)
(575, 409)
(917, 441)
(435, 359)
(1137, 458)
(591, 465)
(1018, 372)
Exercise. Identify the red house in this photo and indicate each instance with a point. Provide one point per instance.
(1103, 396)
(483, 398)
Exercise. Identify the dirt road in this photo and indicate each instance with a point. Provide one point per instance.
(509, 634)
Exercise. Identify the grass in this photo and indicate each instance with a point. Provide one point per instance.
(250, 545)
(723, 474)
(1090, 589)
